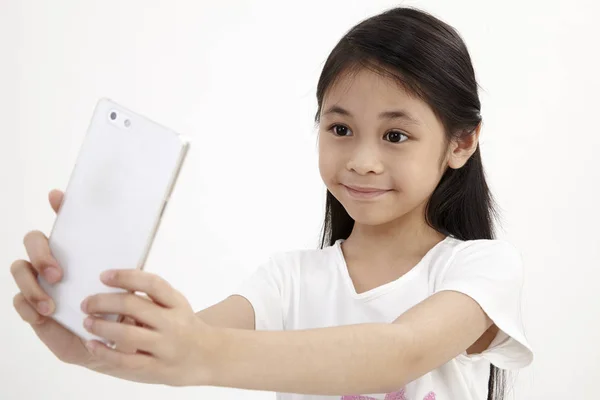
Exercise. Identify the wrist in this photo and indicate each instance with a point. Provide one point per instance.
(212, 345)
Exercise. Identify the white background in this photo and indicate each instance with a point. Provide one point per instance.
(239, 78)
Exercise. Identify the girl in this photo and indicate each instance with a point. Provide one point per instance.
(409, 297)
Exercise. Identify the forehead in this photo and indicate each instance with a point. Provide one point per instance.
(366, 93)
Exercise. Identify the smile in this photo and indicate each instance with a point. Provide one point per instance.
(364, 193)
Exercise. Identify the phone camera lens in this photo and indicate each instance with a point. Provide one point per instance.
(113, 115)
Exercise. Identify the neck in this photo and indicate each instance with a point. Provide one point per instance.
(406, 238)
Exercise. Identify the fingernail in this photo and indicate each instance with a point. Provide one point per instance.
(43, 307)
(88, 323)
(84, 304)
(51, 274)
(107, 276)
(90, 345)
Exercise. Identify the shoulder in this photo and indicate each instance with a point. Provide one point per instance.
(456, 246)
(491, 273)
(494, 258)
(317, 259)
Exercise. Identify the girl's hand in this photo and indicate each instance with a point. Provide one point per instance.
(174, 345)
(36, 307)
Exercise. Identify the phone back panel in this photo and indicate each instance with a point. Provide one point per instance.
(112, 205)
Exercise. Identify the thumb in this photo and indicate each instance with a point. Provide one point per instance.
(56, 198)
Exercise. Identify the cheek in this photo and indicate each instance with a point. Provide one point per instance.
(414, 177)
(327, 163)
(329, 171)
(325, 167)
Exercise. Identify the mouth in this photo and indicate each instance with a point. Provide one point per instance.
(364, 192)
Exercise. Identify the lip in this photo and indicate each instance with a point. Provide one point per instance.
(365, 192)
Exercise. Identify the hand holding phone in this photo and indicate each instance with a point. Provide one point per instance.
(109, 215)
(36, 307)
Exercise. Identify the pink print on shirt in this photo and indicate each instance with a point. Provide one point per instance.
(400, 395)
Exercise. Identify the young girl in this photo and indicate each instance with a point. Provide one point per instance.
(410, 297)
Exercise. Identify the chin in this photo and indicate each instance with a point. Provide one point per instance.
(371, 217)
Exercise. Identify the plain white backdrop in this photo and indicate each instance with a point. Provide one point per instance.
(239, 78)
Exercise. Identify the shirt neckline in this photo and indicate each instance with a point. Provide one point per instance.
(381, 289)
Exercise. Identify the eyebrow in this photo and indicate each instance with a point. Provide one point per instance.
(393, 114)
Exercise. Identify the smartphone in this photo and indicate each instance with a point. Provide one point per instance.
(123, 177)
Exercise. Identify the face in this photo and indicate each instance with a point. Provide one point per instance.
(380, 148)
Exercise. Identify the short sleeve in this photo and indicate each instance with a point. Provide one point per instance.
(263, 289)
(491, 272)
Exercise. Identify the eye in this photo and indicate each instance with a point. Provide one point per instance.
(340, 130)
(394, 136)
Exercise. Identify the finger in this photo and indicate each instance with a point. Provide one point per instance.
(116, 359)
(26, 310)
(38, 250)
(123, 348)
(132, 305)
(56, 198)
(25, 278)
(154, 286)
(127, 335)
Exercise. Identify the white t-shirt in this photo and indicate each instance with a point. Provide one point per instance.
(305, 289)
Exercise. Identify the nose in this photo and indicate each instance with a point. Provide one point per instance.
(364, 160)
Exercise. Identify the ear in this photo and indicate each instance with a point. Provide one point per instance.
(463, 148)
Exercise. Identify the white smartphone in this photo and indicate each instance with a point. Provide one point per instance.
(125, 172)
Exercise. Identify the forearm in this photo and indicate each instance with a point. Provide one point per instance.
(351, 359)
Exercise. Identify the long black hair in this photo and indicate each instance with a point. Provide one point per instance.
(430, 60)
